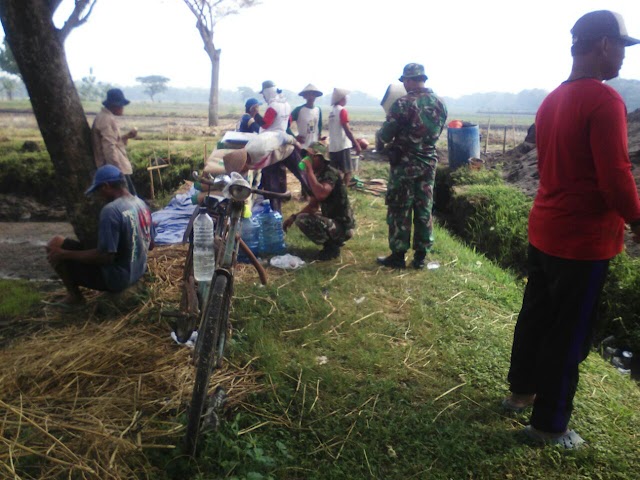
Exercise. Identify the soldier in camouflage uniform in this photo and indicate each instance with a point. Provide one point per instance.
(334, 223)
(414, 123)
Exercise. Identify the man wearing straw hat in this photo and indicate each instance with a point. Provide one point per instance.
(414, 123)
(109, 147)
(308, 117)
(341, 138)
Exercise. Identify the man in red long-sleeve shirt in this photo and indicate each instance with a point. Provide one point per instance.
(585, 197)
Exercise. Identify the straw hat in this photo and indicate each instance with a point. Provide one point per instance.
(312, 89)
(226, 160)
(338, 94)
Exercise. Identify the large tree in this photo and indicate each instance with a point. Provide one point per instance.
(153, 84)
(207, 13)
(37, 46)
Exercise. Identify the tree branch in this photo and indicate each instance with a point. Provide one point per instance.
(76, 18)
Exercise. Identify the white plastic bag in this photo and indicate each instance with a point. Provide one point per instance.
(287, 262)
(267, 148)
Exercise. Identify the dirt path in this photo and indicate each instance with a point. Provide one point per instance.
(22, 245)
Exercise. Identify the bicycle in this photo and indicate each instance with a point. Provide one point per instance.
(214, 310)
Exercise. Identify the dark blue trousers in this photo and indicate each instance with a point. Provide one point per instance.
(554, 334)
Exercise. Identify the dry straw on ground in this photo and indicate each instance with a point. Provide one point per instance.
(88, 393)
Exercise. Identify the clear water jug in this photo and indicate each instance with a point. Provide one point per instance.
(251, 236)
(204, 260)
(271, 235)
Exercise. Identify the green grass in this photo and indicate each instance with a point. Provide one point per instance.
(16, 298)
(415, 370)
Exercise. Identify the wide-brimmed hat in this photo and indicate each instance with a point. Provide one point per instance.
(413, 71)
(226, 160)
(338, 94)
(310, 89)
(317, 148)
(267, 84)
(115, 98)
(104, 174)
(602, 23)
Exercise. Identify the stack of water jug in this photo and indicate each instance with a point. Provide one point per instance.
(262, 232)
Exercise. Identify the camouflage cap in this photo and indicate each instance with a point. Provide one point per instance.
(413, 70)
(318, 148)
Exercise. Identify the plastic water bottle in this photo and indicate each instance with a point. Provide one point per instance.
(250, 235)
(302, 165)
(204, 260)
(271, 235)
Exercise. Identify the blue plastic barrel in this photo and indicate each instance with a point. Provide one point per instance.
(463, 144)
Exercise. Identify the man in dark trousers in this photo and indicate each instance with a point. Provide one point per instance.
(125, 235)
(576, 226)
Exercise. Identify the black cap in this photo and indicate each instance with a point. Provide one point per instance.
(601, 23)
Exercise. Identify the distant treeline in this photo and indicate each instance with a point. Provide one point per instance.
(528, 101)
(524, 102)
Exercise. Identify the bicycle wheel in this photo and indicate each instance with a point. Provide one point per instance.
(215, 315)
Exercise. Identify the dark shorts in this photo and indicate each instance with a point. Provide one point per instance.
(342, 160)
(84, 274)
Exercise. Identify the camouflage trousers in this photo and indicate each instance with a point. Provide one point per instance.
(409, 200)
(321, 229)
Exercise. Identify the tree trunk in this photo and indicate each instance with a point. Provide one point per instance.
(213, 91)
(40, 55)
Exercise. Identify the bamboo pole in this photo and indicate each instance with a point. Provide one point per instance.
(486, 139)
(504, 140)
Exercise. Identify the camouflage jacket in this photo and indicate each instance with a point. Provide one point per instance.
(336, 206)
(412, 128)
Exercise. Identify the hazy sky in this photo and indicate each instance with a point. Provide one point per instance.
(466, 46)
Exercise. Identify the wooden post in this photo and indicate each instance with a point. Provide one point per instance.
(204, 161)
(151, 184)
(504, 140)
(486, 139)
(513, 126)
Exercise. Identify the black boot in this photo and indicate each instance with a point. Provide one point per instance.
(395, 260)
(329, 252)
(418, 260)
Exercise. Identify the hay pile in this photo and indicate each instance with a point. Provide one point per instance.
(87, 398)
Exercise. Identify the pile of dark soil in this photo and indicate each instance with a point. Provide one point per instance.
(520, 166)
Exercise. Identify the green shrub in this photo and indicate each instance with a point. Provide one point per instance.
(493, 219)
(620, 305)
(447, 179)
(27, 173)
(32, 173)
(16, 298)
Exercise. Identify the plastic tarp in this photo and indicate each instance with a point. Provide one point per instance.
(172, 220)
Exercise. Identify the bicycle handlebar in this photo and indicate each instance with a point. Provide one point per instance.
(264, 193)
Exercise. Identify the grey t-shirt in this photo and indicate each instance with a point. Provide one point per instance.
(125, 229)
